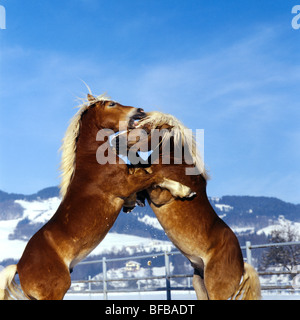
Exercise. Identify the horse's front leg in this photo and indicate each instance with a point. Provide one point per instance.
(130, 203)
(140, 179)
(177, 189)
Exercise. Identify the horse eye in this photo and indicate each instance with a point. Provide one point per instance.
(112, 104)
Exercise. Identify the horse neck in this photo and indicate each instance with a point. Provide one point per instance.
(83, 196)
(89, 140)
(86, 143)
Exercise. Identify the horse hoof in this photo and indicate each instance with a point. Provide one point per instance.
(140, 203)
(128, 209)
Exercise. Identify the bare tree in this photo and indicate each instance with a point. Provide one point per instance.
(287, 256)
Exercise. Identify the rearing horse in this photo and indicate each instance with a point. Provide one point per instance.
(192, 224)
(93, 196)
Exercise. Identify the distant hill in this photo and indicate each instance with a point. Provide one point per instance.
(42, 194)
(22, 215)
(256, 212)
(262, 206)
(9, 209)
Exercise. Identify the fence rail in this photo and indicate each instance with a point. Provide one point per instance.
(168, 276)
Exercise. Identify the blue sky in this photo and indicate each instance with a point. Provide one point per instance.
(228, 67)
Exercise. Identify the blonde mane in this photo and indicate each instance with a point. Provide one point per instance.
(68, 148)
(157, 119)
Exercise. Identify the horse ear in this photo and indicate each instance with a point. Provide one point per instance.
(91, 98)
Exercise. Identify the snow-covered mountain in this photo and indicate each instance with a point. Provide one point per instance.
(22, 215)
(139, 231)
(256, 215)
(17, 228)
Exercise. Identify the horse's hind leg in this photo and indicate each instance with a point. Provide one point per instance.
(46, 285)
(198, 277)
(198, 284)
(43, 274)
(221, 279)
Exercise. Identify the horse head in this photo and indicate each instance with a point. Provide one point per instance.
(112, 115)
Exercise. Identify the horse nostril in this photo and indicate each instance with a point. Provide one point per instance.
(140, 110)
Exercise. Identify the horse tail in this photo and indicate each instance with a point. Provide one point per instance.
(249, 288)
(9, 290)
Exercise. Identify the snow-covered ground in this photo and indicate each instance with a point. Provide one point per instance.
(161, 295)
(117, 242)
(157, 295)
(34, 211)
(280, 222)
(150, 221)
(10, 248)
(39, 211)
(243, 229)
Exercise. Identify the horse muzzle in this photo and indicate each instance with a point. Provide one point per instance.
(134, 120)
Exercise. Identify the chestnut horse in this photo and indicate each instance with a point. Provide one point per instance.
(92, 197)
(192, 225)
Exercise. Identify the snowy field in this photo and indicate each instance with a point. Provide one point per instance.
(10, 248)
(35, 211)
(40, 211)
(175, 295)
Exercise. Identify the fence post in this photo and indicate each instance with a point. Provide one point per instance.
(104, 279)
(90, 284)
(168, 285)
(248, 252)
